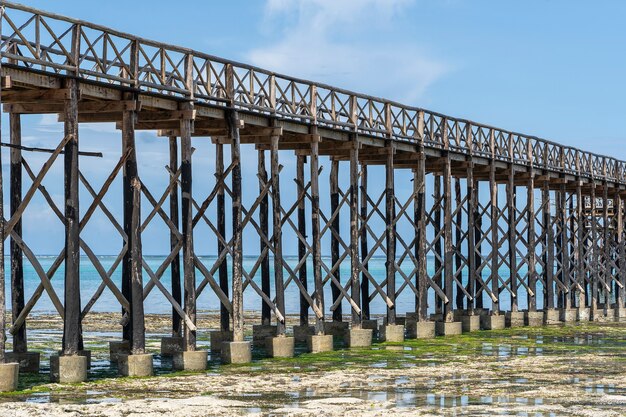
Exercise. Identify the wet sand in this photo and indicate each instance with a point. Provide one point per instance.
(562, 370)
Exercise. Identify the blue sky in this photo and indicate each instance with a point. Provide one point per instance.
(554, 69)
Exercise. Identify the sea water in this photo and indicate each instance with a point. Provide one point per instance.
(207, 300)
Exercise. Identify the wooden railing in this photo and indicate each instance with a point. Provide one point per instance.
(47, 42)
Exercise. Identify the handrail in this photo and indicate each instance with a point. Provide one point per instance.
(57, 44)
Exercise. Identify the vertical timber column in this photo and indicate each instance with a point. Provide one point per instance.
(237, 274)
(132, 208)
(512, 236)
(302, 252)
(315, 232)
(606, 248)
(548, 272)
(72, 337)
(593, 257)
(460, 295)
(472, 204)
(620, 297)
(580, 246)
(567, 300)
(266, 313)
(438, 278)
(17, 268)
(493, 192)
(354, 232)
(532, 255)
(189, 270)
(365, 284)
(334, 236)
(478, 237)
(419, 182)
(278, 236)
(447, 238)
(390, 215)
(558, 244)
(177, 329)
(221, 228)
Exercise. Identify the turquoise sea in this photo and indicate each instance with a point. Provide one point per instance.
(157, 303)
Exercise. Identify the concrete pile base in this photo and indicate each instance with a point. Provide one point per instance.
(28, 361)
(193, 361)
(9, 375)
(236, 352)
(280, 346)
(68, 369)
(136, 365)
(359, 338)
(320, 343)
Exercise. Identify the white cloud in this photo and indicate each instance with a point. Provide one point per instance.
(343, 43)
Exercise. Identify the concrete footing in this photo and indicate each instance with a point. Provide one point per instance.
(514, 319)
(568, 315)
(118, 348)
(359, 338)
(392, 333)
(85, 353)
(533, 318)
(584, 314)
(260, 332)
(420, 329)
(320, 343)
(301, 333)
(280, 346)
(372, 325)
(469, 323)
(218, 337)
(171, 345)
(28, 361)
(68, 369)
(192, 361)
(135, 365)
(620, 313)
(338, 329)
(9, 375)
(236, 352)
(551, 316)
(448, 328)
(492, 321)
(603, 315)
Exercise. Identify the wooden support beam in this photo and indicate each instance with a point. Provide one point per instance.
(511, 203)
(531, 238)
(72, 329)
(189, 269)
(494, 256)
(355, 293)
(132, 213)
(472, 208)
(36, 96)
(315, 234)
(221, 229)
(302, 247)
(237, 257)
(266, 312)
(438, 277)
(478, 237)
(549, 245)
(334, 237)
(365, 284)
(419, 218)
(17, 268)
(177, 324)
(458, 242)
(448, 313)
(390, 215)
(279, 284)
(82, 107)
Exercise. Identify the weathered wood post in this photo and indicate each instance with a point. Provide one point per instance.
(266, 312)
(70, 366)
(177, 327)
(390, 215)
(365, 284)
(493, 211)
(302, 250)
(438, 276)
(594, 255)
(458, 243)
(29, 361)
(478, 237)
(138, 363)
(448, 313)
(320, 342)
(355, 287)
(548, 257)
(334, 237)
(472, 203)
(237, 351)
(280, 346)
(531, 238)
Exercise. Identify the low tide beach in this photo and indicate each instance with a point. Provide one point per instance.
(575, 370)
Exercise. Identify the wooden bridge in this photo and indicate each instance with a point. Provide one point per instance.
(494, 214)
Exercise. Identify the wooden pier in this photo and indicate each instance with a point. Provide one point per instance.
(479, 200)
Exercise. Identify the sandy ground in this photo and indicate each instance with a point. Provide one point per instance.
(568, 372)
